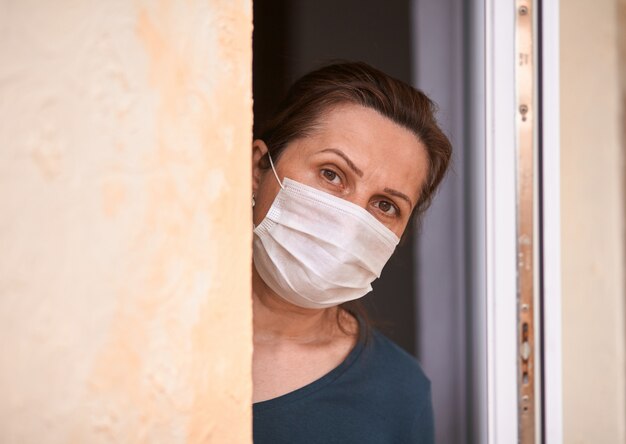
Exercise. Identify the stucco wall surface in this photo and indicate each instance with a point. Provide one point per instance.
(125, 131)
(593, 199)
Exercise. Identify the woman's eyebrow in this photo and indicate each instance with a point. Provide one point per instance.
(360, 174)
(341, 154)
(399, 194)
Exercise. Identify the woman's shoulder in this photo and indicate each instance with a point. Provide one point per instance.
(395, 385)
(397, 369)
(391, 358)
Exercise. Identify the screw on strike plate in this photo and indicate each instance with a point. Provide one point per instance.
(523, 10)
(523, 109)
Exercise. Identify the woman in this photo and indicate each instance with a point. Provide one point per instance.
(349, 157)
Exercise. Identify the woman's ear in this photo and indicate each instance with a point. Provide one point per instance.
(259, 149)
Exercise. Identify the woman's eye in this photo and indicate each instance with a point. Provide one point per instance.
(331, 176)
(387, 207)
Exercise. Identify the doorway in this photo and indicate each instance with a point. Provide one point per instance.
(421, 301)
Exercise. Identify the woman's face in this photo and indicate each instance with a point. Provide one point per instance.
(356, 154)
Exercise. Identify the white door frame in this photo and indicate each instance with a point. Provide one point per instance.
(551, 222)
(500, 222)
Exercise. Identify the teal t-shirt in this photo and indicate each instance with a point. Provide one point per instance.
(378, 394)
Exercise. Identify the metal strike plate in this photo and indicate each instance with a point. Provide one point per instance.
(525, 127)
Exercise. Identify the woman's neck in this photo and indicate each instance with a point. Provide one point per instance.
(278, 320)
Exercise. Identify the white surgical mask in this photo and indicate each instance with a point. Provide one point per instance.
(317, 250)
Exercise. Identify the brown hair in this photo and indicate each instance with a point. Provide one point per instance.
(309, 97)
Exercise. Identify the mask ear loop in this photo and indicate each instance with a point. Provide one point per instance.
(274, 170)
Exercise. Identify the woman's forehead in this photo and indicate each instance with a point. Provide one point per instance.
(374, 144)
(367, 134)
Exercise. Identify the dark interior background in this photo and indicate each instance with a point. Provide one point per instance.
(292, 37)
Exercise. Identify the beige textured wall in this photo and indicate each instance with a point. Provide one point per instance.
(125, 131)
(592, 225)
